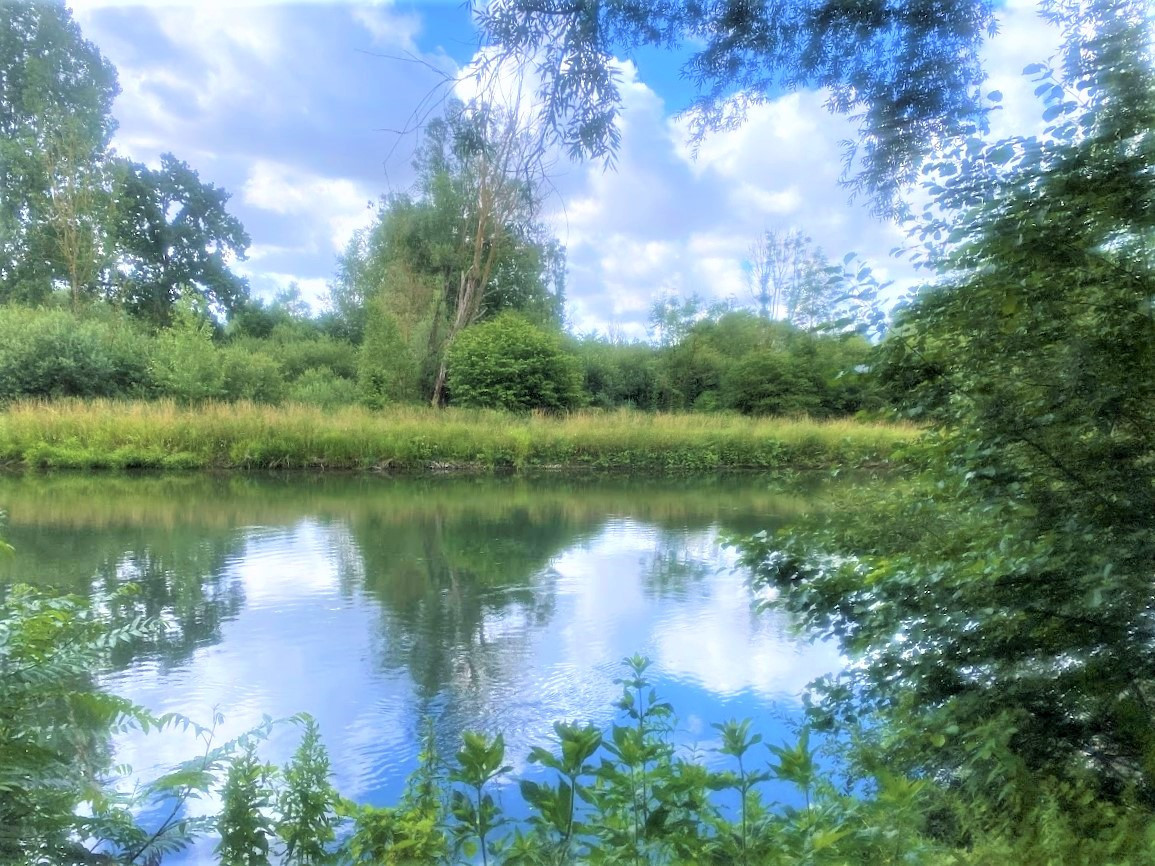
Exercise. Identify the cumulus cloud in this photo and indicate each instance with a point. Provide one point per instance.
(286, 105)
(334, 204)
(672, 219)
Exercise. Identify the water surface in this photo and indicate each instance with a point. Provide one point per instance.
(375, 603)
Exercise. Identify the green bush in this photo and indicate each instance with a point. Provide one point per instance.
(320, 387)
(510, 363)
(251, 376)
(57, 353)
(387, 371)
(773, 383)
(300, 355)
(619, 374)
(185, 363)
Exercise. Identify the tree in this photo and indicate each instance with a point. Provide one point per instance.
(74, 215)
(465, 246)
(788, 277)
(174, 233)
(1000, 614)
(485, 158)
(56, 93)
(908, 71)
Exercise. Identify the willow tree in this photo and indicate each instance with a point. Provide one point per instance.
(464, 245)
(906, 70)
(489, 162)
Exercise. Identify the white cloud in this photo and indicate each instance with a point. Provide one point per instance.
(778, 170)
(267, 284)
(338, 205)
(276, 102)
(388, 26)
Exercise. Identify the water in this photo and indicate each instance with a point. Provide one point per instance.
(500, 605)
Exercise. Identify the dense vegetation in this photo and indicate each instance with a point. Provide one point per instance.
(999, 612)
(162, 435)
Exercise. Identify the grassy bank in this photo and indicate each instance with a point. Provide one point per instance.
(126, 435)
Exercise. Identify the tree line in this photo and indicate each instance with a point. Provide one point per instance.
(116, 279)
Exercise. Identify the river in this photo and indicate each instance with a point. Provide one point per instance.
(375, 603)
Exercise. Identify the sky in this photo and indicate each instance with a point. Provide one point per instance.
(300, 111)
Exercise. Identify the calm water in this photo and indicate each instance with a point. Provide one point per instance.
(373, 603)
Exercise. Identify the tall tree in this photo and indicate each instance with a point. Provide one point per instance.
(485, 158)
(908, 70)
(56, 93)
(173, 233)
(788, 278)
(1011, 636)
(466, 245)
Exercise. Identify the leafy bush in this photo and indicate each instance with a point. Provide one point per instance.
(772, 383)
(509, 363)
(387, 372)
(56, 353)
(319, 387)
(297, 356)
(185, 363)
(251, 376)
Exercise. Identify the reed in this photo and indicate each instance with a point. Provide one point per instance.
(107, 434)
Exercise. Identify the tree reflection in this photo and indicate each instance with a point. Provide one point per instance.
(460, 590)
(180, 574)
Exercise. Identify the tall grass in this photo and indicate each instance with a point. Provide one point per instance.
(110, 434)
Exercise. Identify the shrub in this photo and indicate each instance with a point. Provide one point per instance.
(773, 383)
(185, 363)
(320, 387)
(56, 353)
(251, 376)
(296, 356)
(387, 371)
(509, 363)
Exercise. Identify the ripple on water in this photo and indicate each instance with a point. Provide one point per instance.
(375, 622)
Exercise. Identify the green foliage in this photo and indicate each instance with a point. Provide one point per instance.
(509, 363)
(252, 376)
(618, 374)
(727, 359)
(246, 823)
(52, 720)
(998, 611)
(56, 94)
(297, 355)
(318, 386)
(174, 236)
(772, 383)
(185, 362)
(479, 762)
(76, 217)
(55, 353)
(308, 802)
(388, 369)
(414, 831)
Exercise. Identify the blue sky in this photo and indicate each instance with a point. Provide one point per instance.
(289, 107)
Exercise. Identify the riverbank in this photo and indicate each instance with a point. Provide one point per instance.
(103, 434)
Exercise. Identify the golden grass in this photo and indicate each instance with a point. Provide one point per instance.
(115, 434)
